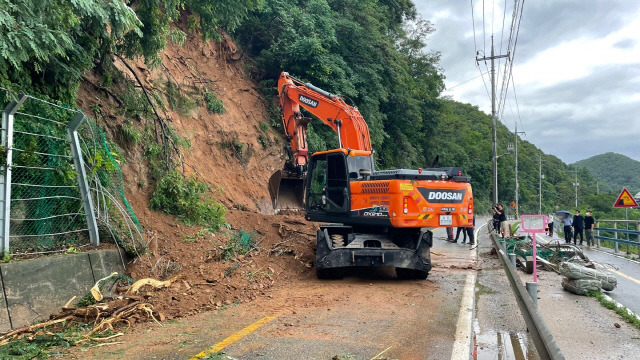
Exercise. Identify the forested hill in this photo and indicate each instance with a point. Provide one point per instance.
(373, 52)
(614, 172)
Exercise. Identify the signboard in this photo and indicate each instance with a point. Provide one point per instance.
(534, 224)
(513, 204)
(625, 200)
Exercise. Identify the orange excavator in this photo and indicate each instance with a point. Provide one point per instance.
(374, 217)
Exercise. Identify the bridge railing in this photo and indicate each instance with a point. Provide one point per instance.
(618, 232)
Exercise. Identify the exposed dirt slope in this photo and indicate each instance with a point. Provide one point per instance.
(206, 279)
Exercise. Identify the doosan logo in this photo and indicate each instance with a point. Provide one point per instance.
(444, 196)
(310, 102)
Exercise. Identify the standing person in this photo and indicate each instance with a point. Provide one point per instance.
(550, 225)
(502, 217)
(469, 231)
(450, 234)
(567, 221)
(588, 229)
(461, 230)
(496, 219)
(578, 226)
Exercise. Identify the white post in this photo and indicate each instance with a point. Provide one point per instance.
(85, 192)
(7, 144)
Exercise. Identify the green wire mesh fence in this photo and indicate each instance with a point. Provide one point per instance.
(46, 208)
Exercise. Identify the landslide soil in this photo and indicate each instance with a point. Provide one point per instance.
(206, 276)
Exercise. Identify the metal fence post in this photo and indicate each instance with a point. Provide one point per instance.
(85, 192)
(5, 193)
(615, 235)
(598, 232)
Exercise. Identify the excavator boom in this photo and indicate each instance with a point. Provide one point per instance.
(286, 186)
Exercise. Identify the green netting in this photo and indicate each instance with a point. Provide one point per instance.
(47, 213)
(523, 248)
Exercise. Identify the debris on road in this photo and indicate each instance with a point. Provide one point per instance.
(580, 280)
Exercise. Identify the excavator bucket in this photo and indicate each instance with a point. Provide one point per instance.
(287, 191)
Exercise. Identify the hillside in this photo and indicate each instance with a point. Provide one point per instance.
(613, 171)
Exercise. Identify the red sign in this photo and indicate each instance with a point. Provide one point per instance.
(625, 200)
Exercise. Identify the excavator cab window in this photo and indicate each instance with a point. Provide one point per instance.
(328, 188)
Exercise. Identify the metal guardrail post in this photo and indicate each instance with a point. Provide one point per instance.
(542, 337)
(532, 289)
(615, 235)
(598, 232)
(85, 192)
(512, 258)
(5, 191)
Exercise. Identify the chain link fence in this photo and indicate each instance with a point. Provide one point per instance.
(46, 208)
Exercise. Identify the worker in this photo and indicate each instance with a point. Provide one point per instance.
(567, 221)
(469, 231)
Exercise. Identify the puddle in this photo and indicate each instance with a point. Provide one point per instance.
(497, 345)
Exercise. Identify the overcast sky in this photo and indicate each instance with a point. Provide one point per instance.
(576, 69)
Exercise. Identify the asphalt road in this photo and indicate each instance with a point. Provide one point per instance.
(626, 271)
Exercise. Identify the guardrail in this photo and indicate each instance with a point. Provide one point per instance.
(606, 233)
(541, 335)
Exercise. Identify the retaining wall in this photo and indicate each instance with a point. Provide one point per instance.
(31, 290)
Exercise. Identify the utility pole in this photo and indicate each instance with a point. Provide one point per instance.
(493, 116)
(576, 184)
(517, 186)
(540, 186)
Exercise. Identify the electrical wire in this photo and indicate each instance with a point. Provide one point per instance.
(464, 82)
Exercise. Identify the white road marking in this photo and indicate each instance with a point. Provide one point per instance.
(462, 342)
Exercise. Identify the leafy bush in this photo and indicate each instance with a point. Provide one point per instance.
(187, 198)
(214, 105)
(239, 243)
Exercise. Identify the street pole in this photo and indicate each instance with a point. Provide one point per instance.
(493, 117)
(540, 186)
(575, 184)
(517, 185)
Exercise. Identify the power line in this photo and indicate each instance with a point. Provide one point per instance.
(484, 34)
(473, 22)
(464, 82)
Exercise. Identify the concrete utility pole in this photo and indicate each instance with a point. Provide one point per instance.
(540, 186)
(493, 117)
(517, 186)
(576, 184)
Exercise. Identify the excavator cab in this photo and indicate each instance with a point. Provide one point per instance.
(330, 172)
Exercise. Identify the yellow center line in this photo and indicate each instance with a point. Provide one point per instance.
(233, 338)
(624, 275)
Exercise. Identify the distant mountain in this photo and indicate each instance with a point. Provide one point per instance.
(613, 171)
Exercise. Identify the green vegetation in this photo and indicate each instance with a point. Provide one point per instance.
(627, 314)
(186, 198)
(214, 105)
(373, 52)
(614, 172)
(239, 243)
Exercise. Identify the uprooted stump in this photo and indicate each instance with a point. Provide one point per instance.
(109, 306)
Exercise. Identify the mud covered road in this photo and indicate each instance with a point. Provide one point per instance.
(368, 313)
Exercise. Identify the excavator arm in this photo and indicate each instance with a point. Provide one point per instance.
(286, 186)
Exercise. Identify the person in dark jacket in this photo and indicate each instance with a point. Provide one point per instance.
(588, 229)
(496, 219)
(578, 227)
